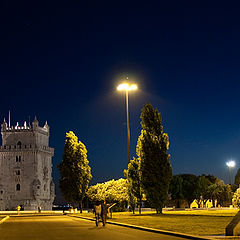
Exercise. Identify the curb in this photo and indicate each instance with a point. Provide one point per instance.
(176, 234)
(4, 219)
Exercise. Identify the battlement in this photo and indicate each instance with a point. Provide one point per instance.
(26, 135)
(35, 126)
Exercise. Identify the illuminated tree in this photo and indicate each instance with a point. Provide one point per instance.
(236, 198)
(111, 191)
(220, 192)
(134, 182)
(155, 167)
(74, 170)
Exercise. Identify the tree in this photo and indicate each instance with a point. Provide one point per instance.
(111, 191)
(176, 189)
(237, 178)
(201, 191)
(134, 182)
(155, 167)
(236, 198)
(74, 170)
(132, 200)
(189, 186)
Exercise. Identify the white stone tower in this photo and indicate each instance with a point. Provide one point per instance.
(26, 167)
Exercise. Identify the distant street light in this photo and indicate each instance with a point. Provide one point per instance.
(230, 165)
(127, 87)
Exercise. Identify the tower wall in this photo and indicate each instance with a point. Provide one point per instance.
(26, 167)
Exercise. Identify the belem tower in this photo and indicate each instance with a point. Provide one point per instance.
(26, 167)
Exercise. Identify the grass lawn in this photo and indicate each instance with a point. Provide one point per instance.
(196, 222)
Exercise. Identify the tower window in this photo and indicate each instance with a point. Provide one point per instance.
(18, 172)
(18, 187)
(19, 144)
(18, 158)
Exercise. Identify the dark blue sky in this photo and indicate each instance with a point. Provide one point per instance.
(62, 61)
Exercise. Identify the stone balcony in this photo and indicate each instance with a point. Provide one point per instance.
(29, 147)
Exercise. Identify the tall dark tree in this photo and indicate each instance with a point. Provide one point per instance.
(74, 170)
(155, 167)
(134, 181)
(189, 187)
(237, 178)
(176, 189)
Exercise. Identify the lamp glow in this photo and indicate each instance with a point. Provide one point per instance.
(126, 87)
(230, 164)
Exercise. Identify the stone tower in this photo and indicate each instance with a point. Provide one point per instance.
(26, 167)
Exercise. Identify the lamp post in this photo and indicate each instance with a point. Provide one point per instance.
(127, 87)
(230, 165)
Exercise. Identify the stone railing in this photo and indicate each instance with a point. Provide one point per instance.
(26, 147)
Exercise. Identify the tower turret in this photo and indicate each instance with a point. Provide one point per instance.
(35, 123)
(4, 125)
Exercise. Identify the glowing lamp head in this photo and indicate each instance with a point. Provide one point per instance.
(126, 87)
(230, 164)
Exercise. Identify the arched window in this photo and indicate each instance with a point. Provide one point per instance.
(16, 158)
(19, 144)
(18, 187)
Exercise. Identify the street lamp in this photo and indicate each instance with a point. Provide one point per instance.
(127, 87)
(230, 165)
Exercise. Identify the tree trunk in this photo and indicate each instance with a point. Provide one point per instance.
(159, 211)
(178, 203)
(80, 206)
(140, 206)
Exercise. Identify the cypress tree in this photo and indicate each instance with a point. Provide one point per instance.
(155, 167)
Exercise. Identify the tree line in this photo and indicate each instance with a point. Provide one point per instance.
(148, 177)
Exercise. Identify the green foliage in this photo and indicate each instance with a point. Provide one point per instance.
(237, 178)
(220, 192)
(132, 200)
(201, 191)
(176, 189)
(236, 198)
(134, 183)
(111, 191)
(155, 168)
(201, 188)
(74, 170)
(189, 186)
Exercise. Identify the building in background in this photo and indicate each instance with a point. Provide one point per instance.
(26, 167)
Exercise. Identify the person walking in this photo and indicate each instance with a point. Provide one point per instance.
(39, 209)
(98, 212)
(104, 212)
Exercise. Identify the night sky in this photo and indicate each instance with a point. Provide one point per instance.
(62, 61)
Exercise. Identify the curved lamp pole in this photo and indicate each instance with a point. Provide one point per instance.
(127, 87)
(230, 165)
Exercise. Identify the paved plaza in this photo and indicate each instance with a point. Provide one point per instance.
(49, 227)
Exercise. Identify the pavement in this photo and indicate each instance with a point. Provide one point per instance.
(59, 227)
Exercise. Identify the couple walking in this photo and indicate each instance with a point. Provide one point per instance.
(101, 211)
